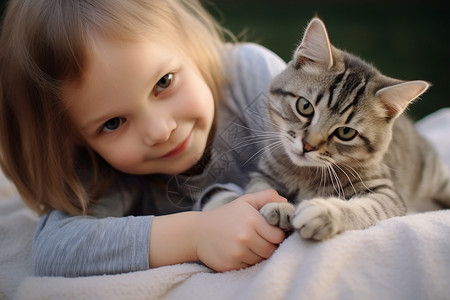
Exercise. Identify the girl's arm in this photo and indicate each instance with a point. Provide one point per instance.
(230, 237)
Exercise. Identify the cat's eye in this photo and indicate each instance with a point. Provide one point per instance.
(346, 133)
(304, 107)
(164, 83)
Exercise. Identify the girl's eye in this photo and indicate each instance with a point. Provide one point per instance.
(346, 133)
(112, 124)
(304, 107)
(164, 83)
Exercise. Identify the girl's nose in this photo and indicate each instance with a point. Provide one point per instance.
(159, 129)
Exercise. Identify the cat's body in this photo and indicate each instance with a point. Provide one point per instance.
(345, 156)
(412, 181)
(408, 177)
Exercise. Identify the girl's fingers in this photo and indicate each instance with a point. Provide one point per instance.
(245, 265)
(259, 199)
(263, 248)
(270, 233)
(252, 258)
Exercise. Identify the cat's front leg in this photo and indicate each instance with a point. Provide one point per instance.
(276, 213)
(319, 218)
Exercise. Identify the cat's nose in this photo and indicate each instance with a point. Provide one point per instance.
(307, 147)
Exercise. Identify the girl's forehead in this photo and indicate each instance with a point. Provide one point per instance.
(108, 51)
(101, 48)
(116, 67)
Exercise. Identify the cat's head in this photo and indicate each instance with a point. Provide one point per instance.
(332, 107)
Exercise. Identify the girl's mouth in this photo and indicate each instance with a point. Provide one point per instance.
(178, 149)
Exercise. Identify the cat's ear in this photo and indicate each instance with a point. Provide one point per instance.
(398, 96)
(315, 46)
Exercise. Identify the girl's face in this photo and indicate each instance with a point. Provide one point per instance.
(143, 107)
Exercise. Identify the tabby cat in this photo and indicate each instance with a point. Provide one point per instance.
(349, 158)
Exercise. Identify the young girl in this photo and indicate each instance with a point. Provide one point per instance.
(116, 116)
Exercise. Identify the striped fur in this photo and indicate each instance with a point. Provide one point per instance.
(349, 157)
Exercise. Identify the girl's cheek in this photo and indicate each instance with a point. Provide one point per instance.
(121, 158)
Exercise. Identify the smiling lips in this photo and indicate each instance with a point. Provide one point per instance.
(178, 149)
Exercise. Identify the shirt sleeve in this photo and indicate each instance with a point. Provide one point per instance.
(108, 241)
(74, 246)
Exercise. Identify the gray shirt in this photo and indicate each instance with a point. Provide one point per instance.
(114, 238)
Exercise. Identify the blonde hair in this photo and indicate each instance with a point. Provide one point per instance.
(44, 46)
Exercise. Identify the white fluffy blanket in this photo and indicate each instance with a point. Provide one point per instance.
(400, 258)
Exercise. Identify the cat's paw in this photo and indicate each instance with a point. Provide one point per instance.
(278, 214)
(317, 219)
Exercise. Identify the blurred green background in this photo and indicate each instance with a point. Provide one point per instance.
(403, 39)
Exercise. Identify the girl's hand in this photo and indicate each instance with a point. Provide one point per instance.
(236, 235)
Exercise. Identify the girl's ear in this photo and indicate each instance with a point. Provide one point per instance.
(398, 96)
(315, 46)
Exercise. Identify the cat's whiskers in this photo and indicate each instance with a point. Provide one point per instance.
(335, 183)
(341, 187)
(270, 147)
(255, 130)
(356, 174)
(348, 177)
(390, 168)
(334, 177)
(323, 177)
(259, 137)
(250, 142)
(265, 118)
(272, 139)
(334, 180)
